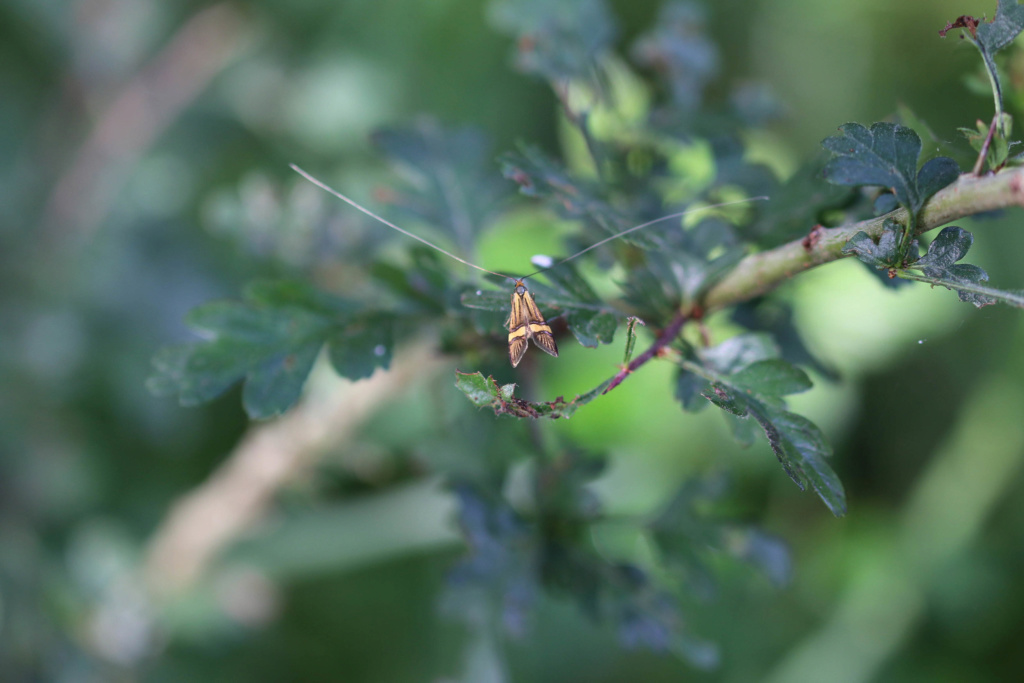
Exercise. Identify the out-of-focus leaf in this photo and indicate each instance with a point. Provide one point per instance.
(798, 444)
(740, 351)
(940, 267)
(796, 206)
(775, 318)
(745, 377)
(562, 486)
(592, 327)
(498, 573)
(680, 51)
(271, 341)
(453, 182)
(558, 40)
(631, 324)
(573, 198)
(688, 538)
(886, 156)
(999, 146)
(775, 377)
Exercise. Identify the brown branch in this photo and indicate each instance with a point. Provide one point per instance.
(760, 273)
(139, 114)
(206, 520)
(666, 337)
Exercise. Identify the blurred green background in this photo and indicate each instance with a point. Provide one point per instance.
(143, 171)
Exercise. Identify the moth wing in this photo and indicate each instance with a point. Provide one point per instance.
(518, 331)
(544, 339)
(538, 329)
(516, 349)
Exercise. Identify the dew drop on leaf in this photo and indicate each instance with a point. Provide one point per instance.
(379, 350)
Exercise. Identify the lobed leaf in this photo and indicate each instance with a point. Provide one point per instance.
(558, 40)
(887, 156)
(939, 267)
(271, 342)
(745, 377)
(453, 183)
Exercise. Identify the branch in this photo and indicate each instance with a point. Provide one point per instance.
(760, 273)
(212, 516)
(664, 339)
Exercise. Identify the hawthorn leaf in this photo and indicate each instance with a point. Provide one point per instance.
(773, 376)
(592, 327)
(887, 156)
(453, 183)
(270, 341)
(558, 40)
(484, 392)
(939, 266)
(680, 50)
(883, 254)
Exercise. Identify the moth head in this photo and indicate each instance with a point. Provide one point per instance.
(520, 287)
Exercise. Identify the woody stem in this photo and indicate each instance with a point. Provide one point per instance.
(664, 339)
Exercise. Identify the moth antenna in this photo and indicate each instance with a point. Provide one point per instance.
(617, 235)
(324, 186)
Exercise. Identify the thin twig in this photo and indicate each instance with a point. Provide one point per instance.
(666, 337)
(980, 163)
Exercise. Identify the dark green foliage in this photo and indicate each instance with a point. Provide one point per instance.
(271, 341)
(514, 553)
(452, 182)
(883, 254)
(940, 267)
(628, 162)
(558, 39)
(679, 49)
(796, 206)
(887, 156)
(745, 378)
(992, 36)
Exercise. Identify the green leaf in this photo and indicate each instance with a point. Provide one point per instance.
(740, 351)
(883, 254)
(631, 324)
(1004, 27)
(573, 198)
(745, 378)
(887, 156)
(487, 300)
(453, 183)
(689, 540)
(999, 146)
(939, 267)
(271, 342)
(797, 205)
(775, 377)
(558, 40)
(362, 346)
(484, 392)
(680, 50)
(592, 327)
(797, 443)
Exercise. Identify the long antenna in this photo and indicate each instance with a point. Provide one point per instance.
(617, 235)
(388, 223)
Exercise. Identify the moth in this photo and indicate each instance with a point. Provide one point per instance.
(525, 321)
